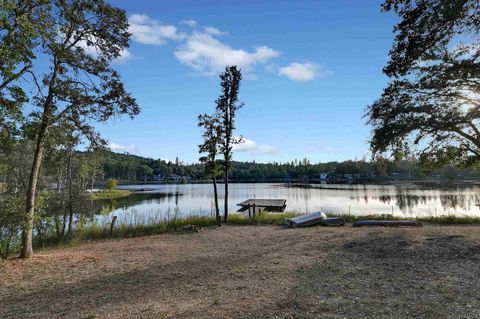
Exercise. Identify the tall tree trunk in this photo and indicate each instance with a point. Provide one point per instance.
(70, 196)
(57, 225)
(225, 213)
(27, 234)
(217, 210)
(93, 178)
(64, 223)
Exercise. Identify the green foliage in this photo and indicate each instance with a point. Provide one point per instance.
(127, 228)
(123, 166)
(12, 218)
(441, 219)
(111, 194)
(212, 134)
(72, 89)
(432, 101)
(21, 25)
(227, 108)
(110, 184)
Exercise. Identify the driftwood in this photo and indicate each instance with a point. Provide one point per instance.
(387, 223)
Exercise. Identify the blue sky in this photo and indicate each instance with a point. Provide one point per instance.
(310, 68)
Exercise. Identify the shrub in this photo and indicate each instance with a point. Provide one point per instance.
(12, 218)
(111, 184)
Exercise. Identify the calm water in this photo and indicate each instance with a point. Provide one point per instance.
(193, 199)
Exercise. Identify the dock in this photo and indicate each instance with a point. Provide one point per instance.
(260, 205)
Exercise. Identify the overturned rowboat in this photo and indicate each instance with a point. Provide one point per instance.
(311, 219)
(387, 223)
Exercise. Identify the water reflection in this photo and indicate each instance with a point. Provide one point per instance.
(404, 200)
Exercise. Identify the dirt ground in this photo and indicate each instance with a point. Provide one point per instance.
(254, 272)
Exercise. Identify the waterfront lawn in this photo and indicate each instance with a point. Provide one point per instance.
(254, 272)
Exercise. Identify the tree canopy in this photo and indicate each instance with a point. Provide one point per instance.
(433, 100)
(56, 77)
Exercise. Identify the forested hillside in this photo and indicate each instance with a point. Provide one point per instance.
(127, 167)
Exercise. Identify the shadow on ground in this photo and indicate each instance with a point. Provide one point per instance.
(392, 277)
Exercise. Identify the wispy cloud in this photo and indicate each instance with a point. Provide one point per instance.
(213, 31)
(190, 23)
(302, 72)
(150, 31)
(205, 53)
(254, 148)
(122, 148)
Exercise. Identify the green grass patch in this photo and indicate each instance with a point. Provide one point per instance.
(442, 219)
(260, 219)
(113, 194)
(130, 227)
(450, 220)
(95, 231)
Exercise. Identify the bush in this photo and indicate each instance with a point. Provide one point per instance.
(12, 218)
(111, 184)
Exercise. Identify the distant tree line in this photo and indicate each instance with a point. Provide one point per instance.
(132, 168)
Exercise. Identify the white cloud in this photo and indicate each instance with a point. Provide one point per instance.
(122, 148)
(302, 72)
(149, 31)
(125, 55)
(204, 53)
(92, 50)
(201, 50)
(190, 23)
(213, 31)
(253, 147)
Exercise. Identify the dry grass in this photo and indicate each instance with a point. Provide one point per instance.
(241, 271)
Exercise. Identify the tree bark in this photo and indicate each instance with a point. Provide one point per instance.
(27, 234)
(93, 178)
(225, 213)
(70, 196)
(217, 211)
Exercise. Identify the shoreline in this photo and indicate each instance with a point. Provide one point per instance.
(94, 231)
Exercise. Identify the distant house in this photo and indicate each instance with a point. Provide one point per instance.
(158, 177)
(174, 177)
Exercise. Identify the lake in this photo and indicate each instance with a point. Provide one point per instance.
(197, 199)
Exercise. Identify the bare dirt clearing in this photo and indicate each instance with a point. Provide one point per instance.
(253, 271)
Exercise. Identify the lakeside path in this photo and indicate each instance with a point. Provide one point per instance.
(254, 272)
